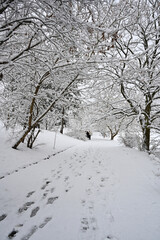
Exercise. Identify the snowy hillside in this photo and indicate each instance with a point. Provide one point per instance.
(93, 190)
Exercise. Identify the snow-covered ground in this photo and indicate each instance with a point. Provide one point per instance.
(93, 190)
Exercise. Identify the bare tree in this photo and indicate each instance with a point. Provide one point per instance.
(45, 42)
(134, 64)
(31, 124)
(38, 43)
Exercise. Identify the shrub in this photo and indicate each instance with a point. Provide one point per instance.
(81, 135)
(131, 140)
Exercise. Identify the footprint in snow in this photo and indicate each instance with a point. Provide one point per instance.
(83, 202)
(102, 179)
(111, 237)
(52, 190)
(66, 178)
(45, 185)
(77, 174)
(45, 195)
(88, 224)
(35, 163)
(30, 193)
(2, 217)
(51, 200)
(45, 222)
(84, 224)
(25, 207)
(91, 206)
(32, 231)
(12, 234)
(58, 177)
(101, 185)
(70, 165)
(34, 211)
(19, 225)
(93, 223)
(68, 188)
(88, 191)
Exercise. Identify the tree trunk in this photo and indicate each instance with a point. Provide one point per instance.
(32, 138)
(46, 125)
(112, 136)
(62, 122)
(145, 124)
(147, 130)
(21, 139)
(113, 132)
(146, 139)
(62, 125)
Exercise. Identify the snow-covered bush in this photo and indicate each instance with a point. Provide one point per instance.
(131, 140)
(81, 135)
(155, 141)
(155, 144)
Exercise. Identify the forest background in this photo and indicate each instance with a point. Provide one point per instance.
(88, 65)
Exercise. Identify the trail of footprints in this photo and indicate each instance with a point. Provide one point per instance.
(87, 223)
(29, 204)
(26, 206)
(31, 164)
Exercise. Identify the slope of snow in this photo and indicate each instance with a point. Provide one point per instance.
(12, 160)
(89, 190)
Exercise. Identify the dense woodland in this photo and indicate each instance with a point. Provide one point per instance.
(88, 65)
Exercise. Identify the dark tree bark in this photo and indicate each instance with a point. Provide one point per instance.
(32, 137)
(62, 121)
(113, 133)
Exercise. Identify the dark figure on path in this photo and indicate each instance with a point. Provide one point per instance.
(88, 135)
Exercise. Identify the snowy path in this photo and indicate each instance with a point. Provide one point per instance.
(95, 191)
